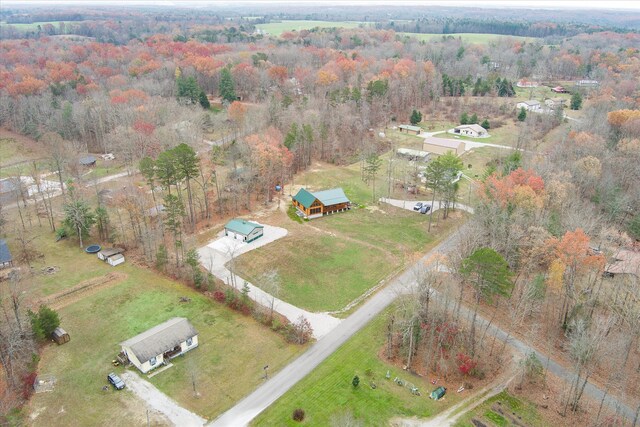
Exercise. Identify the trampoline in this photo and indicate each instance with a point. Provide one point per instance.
(93, 249)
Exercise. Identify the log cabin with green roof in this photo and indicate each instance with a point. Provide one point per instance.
(320, 203)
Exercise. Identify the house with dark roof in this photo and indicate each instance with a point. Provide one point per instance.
(319, 203)
(243, 230)
(6, 260)
(88, 160)
(161, 343)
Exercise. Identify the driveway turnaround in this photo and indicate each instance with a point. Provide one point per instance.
(409, 204)
(161, 402)
(217, 254)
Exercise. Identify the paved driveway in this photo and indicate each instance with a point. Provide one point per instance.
(218, 253)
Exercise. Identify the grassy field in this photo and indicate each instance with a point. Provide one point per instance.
(34, 25)
(226, 366)
(277, 28)
(478, 38)
(328, 392)
(318, 272)
(489, 413)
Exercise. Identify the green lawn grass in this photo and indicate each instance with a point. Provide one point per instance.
(318, 272)
(226, 366)
(34, 25)
(399, 231)
(478, 38)
(509, 404)
(327, 391)
(277, 28)
(348, 178)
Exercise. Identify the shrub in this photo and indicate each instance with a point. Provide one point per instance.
(298, 415)
(219, 296)
(292, 213)
(355, 381)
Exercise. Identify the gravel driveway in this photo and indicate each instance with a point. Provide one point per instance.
(161, 402)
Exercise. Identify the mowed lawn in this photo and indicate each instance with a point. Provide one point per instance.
(318, 272)
(328, 392)
(226, 366)
(277, 28)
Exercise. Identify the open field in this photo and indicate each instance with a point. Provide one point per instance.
(479, 38)
(226, 366)
(277, 28)
(489, 413)
(327, 391)
(34, 25)
(318, 272)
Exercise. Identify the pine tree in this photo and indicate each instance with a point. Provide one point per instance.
(576, 101)
(474, 119)
(227, 86)
(416, 117)
(485, 124)
(522, 114)
(464, 119)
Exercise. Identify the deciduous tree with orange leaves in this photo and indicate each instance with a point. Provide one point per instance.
(271, 159)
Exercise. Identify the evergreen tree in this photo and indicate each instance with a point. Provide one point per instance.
(204, 101)
(416, 117)
(78, 216)
(44, 322)
(188, 89)
(576, 101)
(522, 115)
(227, 86)
(464, 119)
(485, 124)
(474, 119)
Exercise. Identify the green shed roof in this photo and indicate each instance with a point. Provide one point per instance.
(305, 198)
(411, 128)
(242, 226)
(438, 393)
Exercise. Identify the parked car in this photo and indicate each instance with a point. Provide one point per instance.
(115, 381)
(417, 206)
(425, 208)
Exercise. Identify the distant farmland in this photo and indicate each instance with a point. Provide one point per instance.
(469, 37)
(277, 28)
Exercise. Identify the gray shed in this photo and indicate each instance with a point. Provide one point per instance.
(60, 336)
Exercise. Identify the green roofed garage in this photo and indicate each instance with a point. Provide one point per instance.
(245, 231)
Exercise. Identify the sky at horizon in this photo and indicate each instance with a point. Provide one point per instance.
(528, 4)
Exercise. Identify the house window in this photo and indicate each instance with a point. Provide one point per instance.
(189, 342)
(153, 361)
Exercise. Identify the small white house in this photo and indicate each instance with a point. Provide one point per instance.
(245, 231)
(154, 347)
(530, 105)
(474, 131)
(114, 260)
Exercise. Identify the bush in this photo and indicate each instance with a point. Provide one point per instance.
(355, 382)
(219, 296)
(292, 213)
(298, 415)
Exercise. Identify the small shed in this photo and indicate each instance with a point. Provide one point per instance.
(115, 260)
(438, 393)
(87, 160)
(60, 336)
(107, 252)
(414, 130)
(6, 260)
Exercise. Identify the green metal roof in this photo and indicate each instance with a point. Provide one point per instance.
(411, 128)
(242, 226)
(331, 197)
(305, 198)
(326, 197)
